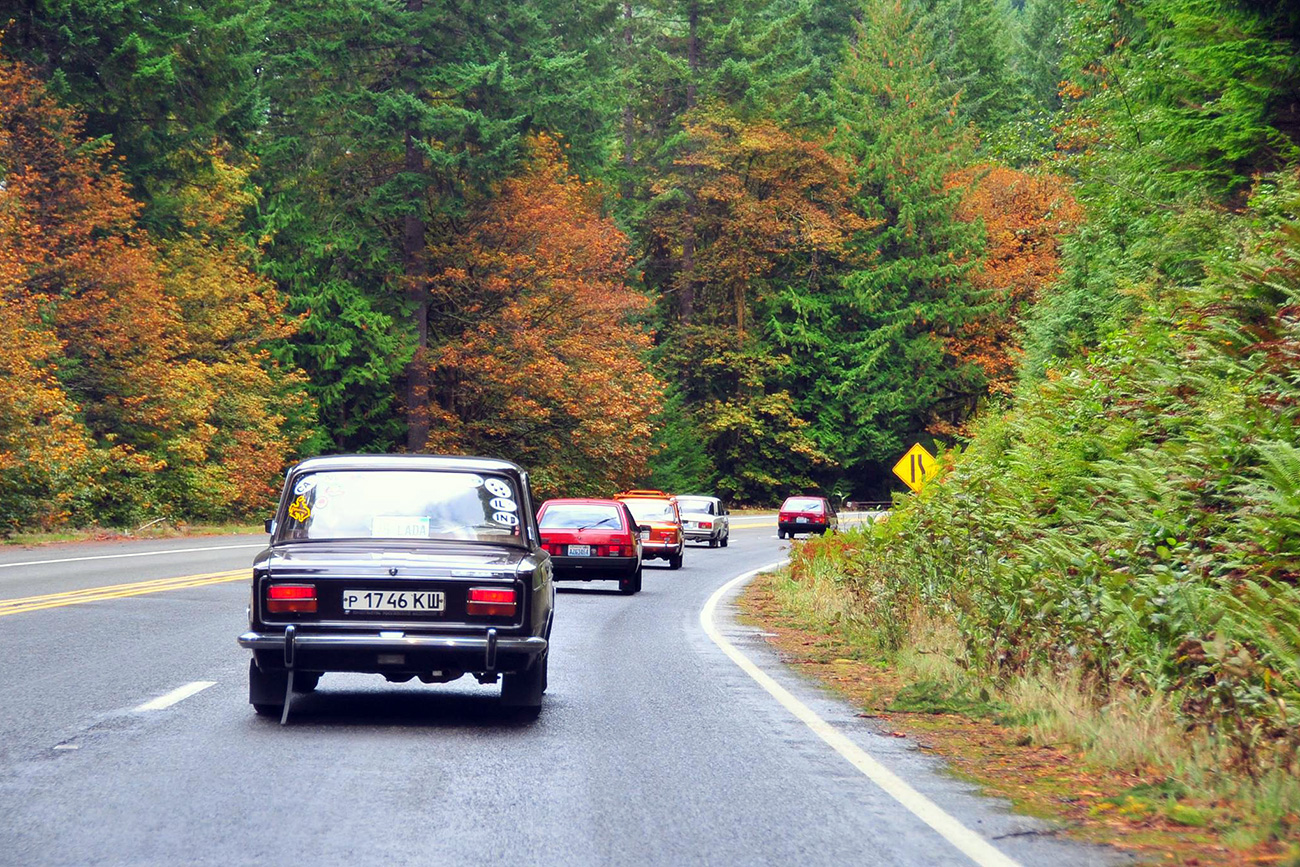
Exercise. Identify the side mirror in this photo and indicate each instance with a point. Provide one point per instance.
(270, 525)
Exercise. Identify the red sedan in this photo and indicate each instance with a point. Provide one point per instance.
(806, 515)
(592, 540)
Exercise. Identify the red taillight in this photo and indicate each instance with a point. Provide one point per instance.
(550, 548)
(491, 602)
(291, 598)
(626, 548)
(818, 519)
(706, 525)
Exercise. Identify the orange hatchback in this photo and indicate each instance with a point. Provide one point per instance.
(657, 512)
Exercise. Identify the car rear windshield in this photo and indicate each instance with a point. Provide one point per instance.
(403, 504)
(581, 516)
(696, 504)
(802, 504)
(651, 510)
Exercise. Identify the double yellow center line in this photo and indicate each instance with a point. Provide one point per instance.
(117, 591)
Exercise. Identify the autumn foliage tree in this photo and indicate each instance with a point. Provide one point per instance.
(107, 354)
(535, 356)
(752, 224)
(1024, 216)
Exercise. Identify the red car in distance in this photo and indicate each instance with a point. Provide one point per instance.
(806, 515)
(592, 540)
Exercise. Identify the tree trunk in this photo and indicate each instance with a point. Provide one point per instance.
(415, 280)
(686, 292)
(413, 260)
(693, 55)
(628, 96)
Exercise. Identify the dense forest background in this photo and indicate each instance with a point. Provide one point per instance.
(748, 246)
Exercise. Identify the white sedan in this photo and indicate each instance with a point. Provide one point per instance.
(705, 519)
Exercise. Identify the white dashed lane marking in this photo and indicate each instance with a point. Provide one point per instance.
(178, 694)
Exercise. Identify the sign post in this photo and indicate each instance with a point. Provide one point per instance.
(915, 467)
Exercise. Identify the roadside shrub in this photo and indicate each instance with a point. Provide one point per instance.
(1134, 517)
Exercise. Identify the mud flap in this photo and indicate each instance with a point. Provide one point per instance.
(290, 633)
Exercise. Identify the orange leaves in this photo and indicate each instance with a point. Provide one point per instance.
(122, 351)
(751, 200)
(537, 358)
(1024, 217)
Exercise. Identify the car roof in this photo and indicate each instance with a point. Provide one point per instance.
(581, 501)
(407, 462)
(698, 497)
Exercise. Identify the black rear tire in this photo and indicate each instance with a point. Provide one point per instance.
(636, 581)
(627, 586)
(269, 709)
(726, 539)
(713, 543)
(780, 534)
(675, 561)
(306, 681)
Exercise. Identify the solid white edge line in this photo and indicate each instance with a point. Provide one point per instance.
(178, 694)
(969, 843)
(136, 554)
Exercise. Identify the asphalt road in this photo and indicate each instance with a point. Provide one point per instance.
(653, 747)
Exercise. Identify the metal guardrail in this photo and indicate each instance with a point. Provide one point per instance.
(867, 505)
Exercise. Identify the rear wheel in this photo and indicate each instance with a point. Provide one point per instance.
(636, 581)
(726, 539)
(675, 561)
(780, 534)
(627, 586)
(713, 543)
(306, 681)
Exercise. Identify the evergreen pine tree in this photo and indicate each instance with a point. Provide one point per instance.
(893, 378)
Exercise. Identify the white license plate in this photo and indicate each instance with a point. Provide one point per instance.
(410, 601)
(801, 520)
(579, 550)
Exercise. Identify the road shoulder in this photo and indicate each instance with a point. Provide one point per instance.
(1023, 838)
(971, 743)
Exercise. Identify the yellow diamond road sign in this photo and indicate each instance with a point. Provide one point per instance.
(915, 467)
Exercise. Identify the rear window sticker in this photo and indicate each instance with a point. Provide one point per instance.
(298, 509)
